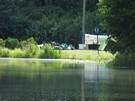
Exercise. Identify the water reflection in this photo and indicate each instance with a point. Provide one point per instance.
(58, 81)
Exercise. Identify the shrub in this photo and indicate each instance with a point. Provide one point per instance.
(23, 44)
(31, 50)
(4, 53)
(49, 52)
(12, 43)
(2, 43)
(31, 41)
(17, 53)
(123, 60)
(30, 46)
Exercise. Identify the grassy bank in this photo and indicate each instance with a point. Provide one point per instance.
(118, 61)
(29, 49)
(50, 53)
(31, 52)
(87, 55)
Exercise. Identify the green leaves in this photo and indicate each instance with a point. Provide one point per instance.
(12, 43)
(118, 17)
(2, 43)
(45, 20)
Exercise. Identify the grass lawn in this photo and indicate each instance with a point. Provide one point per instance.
(87, 55)
(64, 54)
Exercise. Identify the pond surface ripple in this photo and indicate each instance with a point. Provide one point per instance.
(23, 80)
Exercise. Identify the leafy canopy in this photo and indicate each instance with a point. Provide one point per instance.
(118, 17)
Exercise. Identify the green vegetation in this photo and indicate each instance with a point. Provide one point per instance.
(29, 49)
(118, 19)
(4, 52)
(49, 52)
(12, 43)
(61, 21)
(17, 53)
(123, 61)
(35, 67)
(2, 43)
(46, 20)
(87, 55)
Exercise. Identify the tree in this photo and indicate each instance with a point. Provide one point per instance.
(45, 20)
(12, 43)
(2, 43)
(118, 17)
(6, 8)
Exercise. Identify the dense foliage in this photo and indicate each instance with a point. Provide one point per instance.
(26, 49)
(123, 61)
(61, 21)
(46, 20)
(118, 17)
(12, 43)
(2, 43)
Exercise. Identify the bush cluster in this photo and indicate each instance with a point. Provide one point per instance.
(30, 46)
(123, 61)
(18, 53)
(26, 49)
(4, 52)
(49, 52)
(2, 43)
(12, 43)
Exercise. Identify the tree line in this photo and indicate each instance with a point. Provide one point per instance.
(118, 19)
(45, 20)
(61, 21)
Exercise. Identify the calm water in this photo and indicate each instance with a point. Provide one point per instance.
(23, 80)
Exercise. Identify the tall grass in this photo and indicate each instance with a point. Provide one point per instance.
(49, 52)
(31, 52)
(4, 52)
(87, 55)
(18, 53)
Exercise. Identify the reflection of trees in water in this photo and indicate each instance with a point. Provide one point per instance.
(96, 78)
(28, 68)
(36, 81)
(110, 84)
(49, 81)
(122, 85)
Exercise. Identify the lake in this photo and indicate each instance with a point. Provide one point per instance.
(46, 80)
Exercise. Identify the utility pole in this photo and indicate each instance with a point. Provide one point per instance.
(97, 31)
(83, 22)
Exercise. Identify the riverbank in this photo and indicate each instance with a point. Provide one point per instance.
(50, 60)
(70, 55)
(87, 55)
(123, 61)
(78, 56)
